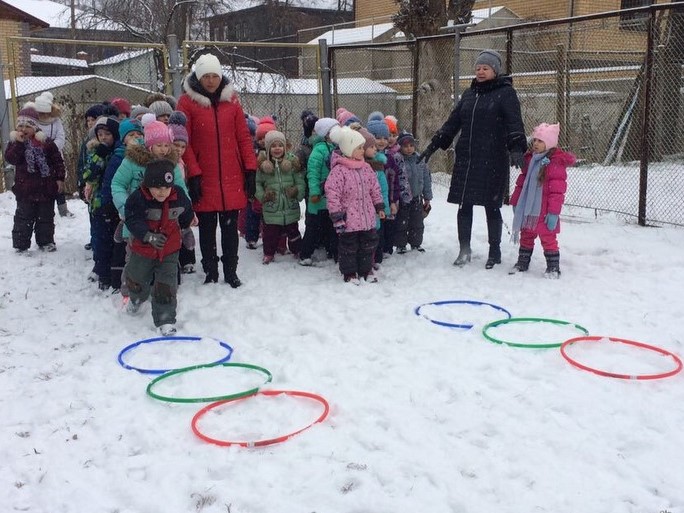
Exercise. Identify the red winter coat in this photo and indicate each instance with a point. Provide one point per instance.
(553, 189)
(220, 147)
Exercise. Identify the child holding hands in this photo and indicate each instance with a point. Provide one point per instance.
(354, 199)
(538, 198)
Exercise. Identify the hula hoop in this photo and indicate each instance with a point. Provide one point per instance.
(226, 397)
(458, 302)
(172, 339)
(678, 362)
(259, 443)
(528, 319)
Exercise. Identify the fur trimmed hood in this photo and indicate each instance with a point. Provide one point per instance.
(141, 156)
(192, 88)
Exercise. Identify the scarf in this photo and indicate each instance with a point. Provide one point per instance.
(527, 211)
(35, 159)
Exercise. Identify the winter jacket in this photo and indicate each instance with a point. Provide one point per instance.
(393, 172)
(378, 165)
(317, 171)
(489, 120)
(220, 148)
(553, 188)
(145, 214)
(278, 176)
(54, 129)
(417, 175)
(31, 186)
(113, 164)
(94, 172)
(353, 193)
(130, 172)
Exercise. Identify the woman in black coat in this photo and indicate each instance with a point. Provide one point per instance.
(492, 138)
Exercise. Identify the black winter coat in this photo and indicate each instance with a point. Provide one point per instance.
(489, 120)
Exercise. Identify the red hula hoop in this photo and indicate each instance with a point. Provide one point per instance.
(641, 345)
(259, 443)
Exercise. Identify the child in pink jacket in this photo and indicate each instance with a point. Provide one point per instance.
(354, 199)
(538, 198)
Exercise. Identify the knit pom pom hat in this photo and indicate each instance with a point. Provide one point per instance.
(393, 124)
(43, 102)
(347, 139)
(265, 125)
(123, 105)
(547, 133)
(139, 110)
(322, 126)
(180, 133)
(369, 138)
(161, 108)
(94, 111)
(377, 126)
(178, 117)
(157, 132)
(344, 117)
(129, 125)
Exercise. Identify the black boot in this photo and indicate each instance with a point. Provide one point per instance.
(465, 225)
(230, 271)
(523, 263)
(210, 266)
(494, 228)
(464, 255)
(552, 264)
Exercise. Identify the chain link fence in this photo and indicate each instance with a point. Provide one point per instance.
(80, 74)
(613, 81)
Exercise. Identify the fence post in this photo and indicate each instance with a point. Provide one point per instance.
(646, 128)
(174, 65)
(561, 93)
(324, 77)
(457, 63)
(4, 111)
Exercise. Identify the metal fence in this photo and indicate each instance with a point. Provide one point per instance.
(614, 81)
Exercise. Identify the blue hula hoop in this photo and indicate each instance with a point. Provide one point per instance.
(172, 339)
(458, 302)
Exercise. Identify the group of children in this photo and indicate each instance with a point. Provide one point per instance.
(367, 193)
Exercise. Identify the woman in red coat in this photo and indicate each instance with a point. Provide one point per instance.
(220, 163)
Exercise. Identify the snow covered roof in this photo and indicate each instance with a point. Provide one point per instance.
(121, 57)
(58, 15)
(59, 61)
(29, 86)
(356, 34)
(482, 14)
(239, 5)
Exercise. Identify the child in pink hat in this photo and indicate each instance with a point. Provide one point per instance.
(538, 198)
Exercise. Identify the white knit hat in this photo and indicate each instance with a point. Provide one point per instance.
(43, 102)
(207, 63)
(323, 125)
(348, 140)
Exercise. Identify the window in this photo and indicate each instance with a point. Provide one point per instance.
(631, 20)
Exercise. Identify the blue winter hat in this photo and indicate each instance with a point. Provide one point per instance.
(377, 126)
(127, 126)
(95, 111)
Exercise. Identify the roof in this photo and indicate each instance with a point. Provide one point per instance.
(59, 15)
(121, 57)
(24, 15)
(356, 34)
(29, 86)
(58, 61)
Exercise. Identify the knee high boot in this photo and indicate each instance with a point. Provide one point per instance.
(230, 271)
(494, 229)
(464, 220)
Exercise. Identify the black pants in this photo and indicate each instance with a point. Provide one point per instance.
(227, 222)
(30, 215)
(381, 242)
(319, 228)
(409, 226)
(465, 224)
(356, 251)
(103, 245)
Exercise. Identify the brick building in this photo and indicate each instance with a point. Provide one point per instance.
(16, 23)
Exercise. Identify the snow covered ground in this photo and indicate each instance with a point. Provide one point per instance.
(422, 418)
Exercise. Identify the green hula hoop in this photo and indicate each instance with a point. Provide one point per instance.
(227, 397)
(529, 319)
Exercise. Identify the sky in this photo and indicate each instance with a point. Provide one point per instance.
(421, 417)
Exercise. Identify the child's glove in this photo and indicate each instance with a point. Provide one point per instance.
(517, 159)
(315, 198)
(156, 240)
(426, 208)
(195, 188)
(291, 191)
(269, 195)
(551, 221)
(250, 183)
(188, 239)
(118, 233)
(102, 150)
(340, 226)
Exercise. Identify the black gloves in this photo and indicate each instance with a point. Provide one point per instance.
(157, 240)
(517, 159)
(102, 150)
(195, 188)
(425, 156)
(250, 183)
(109, 210)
